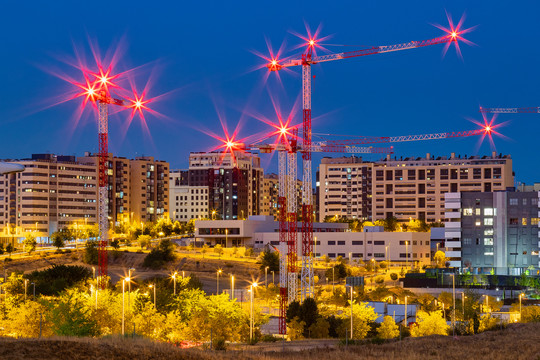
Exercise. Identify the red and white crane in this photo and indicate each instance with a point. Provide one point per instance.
(522, 110)
(306, 60)
(97, 89)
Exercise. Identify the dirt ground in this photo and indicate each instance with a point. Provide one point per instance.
(519, 341)
(244, 270)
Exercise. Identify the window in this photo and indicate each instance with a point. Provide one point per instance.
(467, 241)
(488, 241)
(524, 202)
(513, 221)
(331, 242)
(478, 223)
(534, 221)
(488, 232)
(488, 211)
(403, 243)
(477, 211)
(513, 201)
(524, 221)
(378, 242)
(358, 242)
(341, 242)
(332, 255)
(379, 255)
(357, 255)
(467, 212)
(488, 221)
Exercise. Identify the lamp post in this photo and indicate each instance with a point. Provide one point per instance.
(351, 310)
(266, 276)
(124, 302)
(463, 304)
(520, 295)
(218, 273)
(251, 289)
(273, 277)
(129, 285)
(453, 304)
(407, 255)
(25, 288)
(386, 257)
(333, 268)
(154, 287)
(226, 233)
(34, 290)
(174, 280)
(213, 214)
(93, 272)
(406, 313)
(232, 287)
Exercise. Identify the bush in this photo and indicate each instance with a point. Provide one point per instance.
(269, 338)
(54, 280)
(220, 344)
(393, 276)
(270, 259)
(91, 255)
(160, 255)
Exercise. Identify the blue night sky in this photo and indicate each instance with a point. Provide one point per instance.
(201, 53)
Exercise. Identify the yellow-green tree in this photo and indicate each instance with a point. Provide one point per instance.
(319, 329)
(150, 323)
(363, 315)
(295, 329)
(29, 243)
(388, 329)
(432, 323)
(72, 315)
(440, 259)
(24, 321)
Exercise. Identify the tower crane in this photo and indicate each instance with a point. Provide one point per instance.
(98, 92)
(305, 61)
(522, 110)
(287, 148)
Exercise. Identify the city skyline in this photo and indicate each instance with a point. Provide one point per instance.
(206, 65)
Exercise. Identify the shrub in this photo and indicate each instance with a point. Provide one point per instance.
(91, 255)
(270, 259)
(160, 255)
(57, 278)
(220, 344)
(393, 276)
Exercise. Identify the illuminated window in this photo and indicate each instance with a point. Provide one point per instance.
(478, 223)
(524, 221)
(467, 212)
(488, 232)
(534, 221)
(488, 221)
(477, 211)
(488, 241)
(488, 211)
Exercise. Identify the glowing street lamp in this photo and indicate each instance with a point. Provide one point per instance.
(218, 273)
(124, 302)
(174, 280)
(266, 276)
(232, 287)
(351, 310)
(153, 286)
(251, 289)
(520, 296)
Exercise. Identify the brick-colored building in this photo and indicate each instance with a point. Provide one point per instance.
(405, 188)
(53, 192)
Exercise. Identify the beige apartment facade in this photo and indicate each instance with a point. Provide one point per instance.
(405, 188)
(270, 195)
(52, 193)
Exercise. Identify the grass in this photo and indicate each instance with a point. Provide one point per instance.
(519, 341)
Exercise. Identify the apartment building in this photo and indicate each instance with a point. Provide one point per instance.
(138, 188)
(187, 202)
(270, 195)
(405, 188)
(234, 183)
(493, 232)
(53, 192)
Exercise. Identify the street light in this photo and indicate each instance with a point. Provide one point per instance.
(463, 304)
(453, 304)
(351, 309)
(251, 289)
(124, 302)
(406, 313)
(386, 257)
(407, 255)
(129, 284)
(218, 273)
(93, 272)
(232, 287)
(25, 288)
(273, 282)
(520, 295)
(266, 276)
(174, 280)
(34, 290)
(213, 214)
(153, 286)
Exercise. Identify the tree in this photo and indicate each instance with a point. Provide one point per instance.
(204, 250)
(295, 329)
(1, 248)
(393, 276)
(319, 329)
(9, 249)
(218, 249)
(161, 254)
(363, 316)
(149, 323)
(30, 243)
(339, 272)
(24, 320)
(429, 324)
(91, 254)
(270, 259)
(144, 241)
(391, 224)
(388, 329)
(57, 240)
(72, 316)
(440, 259)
